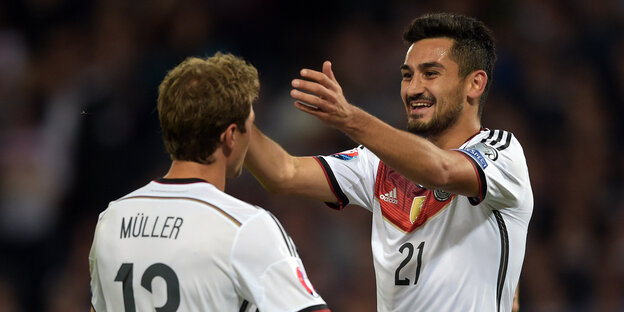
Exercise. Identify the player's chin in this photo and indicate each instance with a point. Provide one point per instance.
(417, 127)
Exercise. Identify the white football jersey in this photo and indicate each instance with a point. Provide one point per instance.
(437, 251)
(184, 245)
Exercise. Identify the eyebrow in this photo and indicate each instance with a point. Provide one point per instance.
(424, 66)
(430, 65)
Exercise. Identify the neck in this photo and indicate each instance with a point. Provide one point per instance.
(213, 173)
(454, 136)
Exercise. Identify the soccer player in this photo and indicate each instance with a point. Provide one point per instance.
(180, 243)
(451, 200)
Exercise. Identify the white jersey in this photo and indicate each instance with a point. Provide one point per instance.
(184, 245)
(436, 251)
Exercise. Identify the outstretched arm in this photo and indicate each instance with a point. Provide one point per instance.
(280, 172)
(416, 158)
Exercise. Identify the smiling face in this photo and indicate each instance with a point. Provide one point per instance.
(431, 89)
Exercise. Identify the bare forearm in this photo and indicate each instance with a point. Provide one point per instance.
(280, 172)
(416, 158)
(268, 161)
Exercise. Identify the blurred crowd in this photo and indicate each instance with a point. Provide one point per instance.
(78, 128)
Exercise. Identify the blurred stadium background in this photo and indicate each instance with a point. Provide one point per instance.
(78, 128)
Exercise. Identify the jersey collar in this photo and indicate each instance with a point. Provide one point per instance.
(180, 181)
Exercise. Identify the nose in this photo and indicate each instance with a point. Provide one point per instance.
(415, 86)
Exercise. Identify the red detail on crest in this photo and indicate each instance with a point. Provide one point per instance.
(399, 213)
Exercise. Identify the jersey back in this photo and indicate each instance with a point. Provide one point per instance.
(190, 247)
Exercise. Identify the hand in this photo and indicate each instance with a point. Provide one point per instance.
(323, 97)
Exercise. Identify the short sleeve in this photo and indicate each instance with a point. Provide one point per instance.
(268, 270)
(351, 175)
(503, 173)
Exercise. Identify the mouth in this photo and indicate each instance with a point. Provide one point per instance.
(419, 107)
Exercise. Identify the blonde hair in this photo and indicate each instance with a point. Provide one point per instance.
(199, 99)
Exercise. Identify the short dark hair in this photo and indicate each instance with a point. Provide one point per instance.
(473, 47)
(199, 99)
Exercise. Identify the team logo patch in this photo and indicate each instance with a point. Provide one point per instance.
(441, 196)
(348, 155)
(390, 197)
(303, 279)
(476, 155)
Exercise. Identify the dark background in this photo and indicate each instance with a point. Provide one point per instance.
(78, 128)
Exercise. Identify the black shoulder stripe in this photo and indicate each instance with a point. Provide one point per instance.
(243, 306)
(499, 137)
(496, 137)
(507, 142)
(287, 240)
(489, 137)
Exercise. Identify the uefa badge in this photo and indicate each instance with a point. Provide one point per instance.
(303, 279)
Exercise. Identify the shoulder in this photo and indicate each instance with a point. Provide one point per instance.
(263, 236)
(494, 145)
(196, 193)
(354, 157)
(499, 140)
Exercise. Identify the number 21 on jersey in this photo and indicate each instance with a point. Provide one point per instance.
(408, 250)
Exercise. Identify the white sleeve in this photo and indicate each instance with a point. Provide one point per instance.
(268, 270)
(351, 175)
(502, 171)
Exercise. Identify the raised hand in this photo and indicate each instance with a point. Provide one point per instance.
(320, 94)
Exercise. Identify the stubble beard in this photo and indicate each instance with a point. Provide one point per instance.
(440, 121)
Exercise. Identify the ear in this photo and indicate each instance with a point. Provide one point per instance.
(475, 85)
(228, 137)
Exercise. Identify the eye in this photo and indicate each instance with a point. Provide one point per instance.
(406, 75)
(429, 74)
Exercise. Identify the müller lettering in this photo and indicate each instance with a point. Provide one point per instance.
(144, 226)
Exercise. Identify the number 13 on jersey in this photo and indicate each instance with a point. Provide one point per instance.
(124, 275)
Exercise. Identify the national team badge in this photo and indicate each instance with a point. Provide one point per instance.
(347, 155)
(303, 278)
(441, 196)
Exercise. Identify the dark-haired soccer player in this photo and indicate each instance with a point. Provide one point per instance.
(451, 200)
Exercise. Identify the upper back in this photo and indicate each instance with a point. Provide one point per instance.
(177, 240)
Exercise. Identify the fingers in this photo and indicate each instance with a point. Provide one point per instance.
(310, 110)
(317, 92)
(327, 70)
(312, 87)
(315, 100)
(321, 77)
